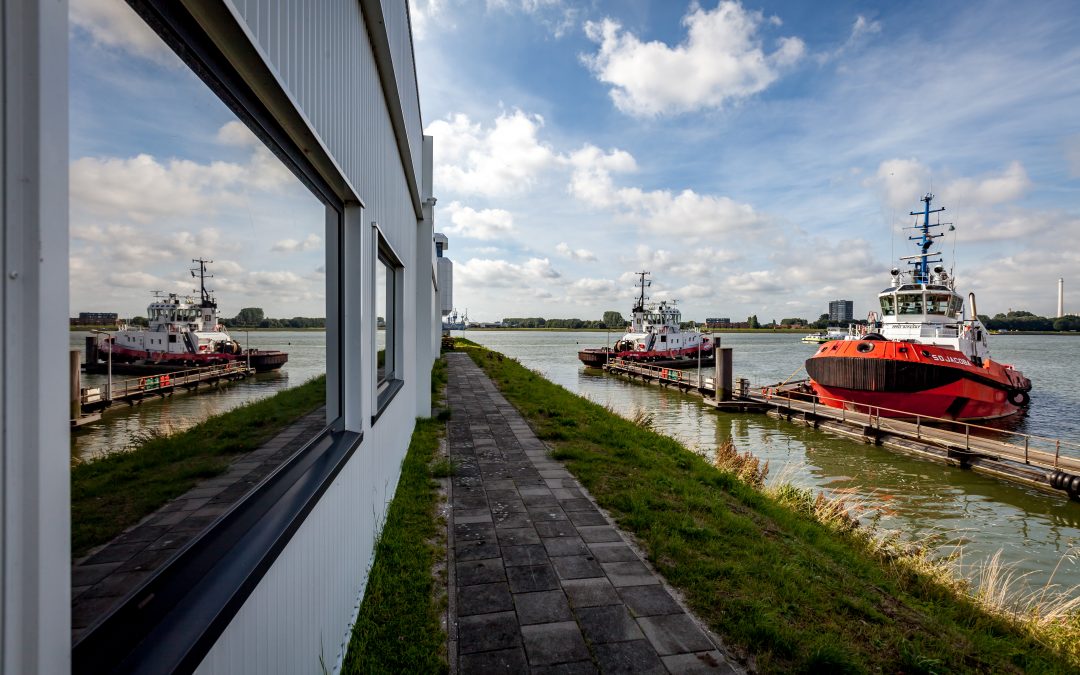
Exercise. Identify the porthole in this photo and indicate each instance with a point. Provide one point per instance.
(865, 347)
(926, 353)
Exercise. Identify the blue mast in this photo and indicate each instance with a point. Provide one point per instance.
(926, 240)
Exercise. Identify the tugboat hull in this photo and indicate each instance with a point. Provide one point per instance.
(902, 379)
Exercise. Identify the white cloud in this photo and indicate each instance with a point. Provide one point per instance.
(311, 242)
(484, 224)
(113, 24)
(479, 273)
(237, 133)
(860, 30)
(593, 289)
(581, 254)
(423, 14)
(685, 213)
(140, 280)
(504, 159)
(721, 59)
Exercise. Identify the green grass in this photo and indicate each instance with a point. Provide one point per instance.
(797, 594)
(111, 494)
(398, 628)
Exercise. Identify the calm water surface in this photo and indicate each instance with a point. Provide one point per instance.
(923, 501)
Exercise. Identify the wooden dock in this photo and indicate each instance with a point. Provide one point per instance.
(1020, 458)
(90, 402)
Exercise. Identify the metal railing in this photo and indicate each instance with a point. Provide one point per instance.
(137, 386)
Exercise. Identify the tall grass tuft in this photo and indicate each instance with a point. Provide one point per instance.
(745, 465)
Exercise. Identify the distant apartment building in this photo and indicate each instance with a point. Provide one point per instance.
(95, 319)
(841, 311)
(724, 322)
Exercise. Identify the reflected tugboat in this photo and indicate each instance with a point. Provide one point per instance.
(184, 333)
(927, 355)
(655, 334)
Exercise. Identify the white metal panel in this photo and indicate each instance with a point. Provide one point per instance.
(35, 617)
(446, 285)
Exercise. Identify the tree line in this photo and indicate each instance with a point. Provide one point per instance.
(1020, 321)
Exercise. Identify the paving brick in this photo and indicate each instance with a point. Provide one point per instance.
(529, 578)
(612, 552)
(480, 572)
(518, 536)
(550, 643)
(649, 600)
(702, 663)
(577, 567)
(567, 493)
(560, 546)
(542, 607)
(501, 661)
(116, 553)
(575, 668)
(585, 518)
(629, 573)
(546, 513)
(528, 554)
(512, 520)
(674, 634)
(636, 657)
(88, 575)
(595, 534)
(556, 528)
(590, 592)
(488, 632)
(474, 531)
(484, 599)
(475, 550)
(609, 623)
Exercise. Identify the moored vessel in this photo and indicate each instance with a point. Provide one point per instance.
(655, 334)
(927, 354)
(183, 332)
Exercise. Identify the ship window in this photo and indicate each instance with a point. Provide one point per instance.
(937, 304)
(956, 305)
(910, 303)
(888, 305)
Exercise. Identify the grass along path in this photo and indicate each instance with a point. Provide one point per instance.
(110, 494)
(398, 627)
(793, 592)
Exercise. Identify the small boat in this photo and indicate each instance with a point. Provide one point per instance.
(927, 355)
(183, 332)
(454, 322)
(655, 335)
(823, 337)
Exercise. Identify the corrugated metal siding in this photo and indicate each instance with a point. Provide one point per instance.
(316, 51)
(446, 284)
(297, 619)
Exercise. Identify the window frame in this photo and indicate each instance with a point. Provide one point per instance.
(384, 390)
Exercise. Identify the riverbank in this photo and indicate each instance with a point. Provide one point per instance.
(762, 570)
(113, 493)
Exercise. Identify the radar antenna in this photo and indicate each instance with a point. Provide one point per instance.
(203, 275)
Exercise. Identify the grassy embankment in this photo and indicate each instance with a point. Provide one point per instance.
(113, 493)
(783, 576)
(398, 627)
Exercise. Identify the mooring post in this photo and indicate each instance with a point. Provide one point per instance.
(918, 427)
(1057, 452)
(76, 385)
(722, 374)
(967, 436)
(1026, 450)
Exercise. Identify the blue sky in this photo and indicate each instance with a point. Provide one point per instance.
(755, 157)
(758, 158)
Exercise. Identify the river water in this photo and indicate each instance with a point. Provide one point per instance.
(925, 502)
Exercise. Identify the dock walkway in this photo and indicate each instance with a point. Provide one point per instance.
(540, 579)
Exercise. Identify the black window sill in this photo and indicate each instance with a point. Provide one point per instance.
(170, 622)
(387, 392)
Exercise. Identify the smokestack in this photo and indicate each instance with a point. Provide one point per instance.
(1061, 297)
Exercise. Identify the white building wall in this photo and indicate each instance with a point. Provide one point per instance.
(299, 616)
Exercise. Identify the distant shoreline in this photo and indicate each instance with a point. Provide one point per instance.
(231, 329)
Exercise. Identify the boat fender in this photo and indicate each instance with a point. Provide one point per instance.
(1019, 397)
(1074, 487)
(1058, 480)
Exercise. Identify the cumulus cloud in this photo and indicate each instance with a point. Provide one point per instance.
(483, 224)
(506, 158)
(237, 133)
(581, 254)
(480, 273)
(311, 242)
(902, 183)
(722, 59)
(684, 213)
(113, 24)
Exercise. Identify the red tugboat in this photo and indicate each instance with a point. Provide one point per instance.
(183, 332)
(655, 334)
(928, 354)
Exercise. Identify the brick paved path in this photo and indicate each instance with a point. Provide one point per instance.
(105, 577)
(540, 579)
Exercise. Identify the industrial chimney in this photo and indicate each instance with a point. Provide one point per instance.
(1061, 297)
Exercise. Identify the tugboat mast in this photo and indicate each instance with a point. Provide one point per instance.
(926, 240)
(207, 301)
(641, 298)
